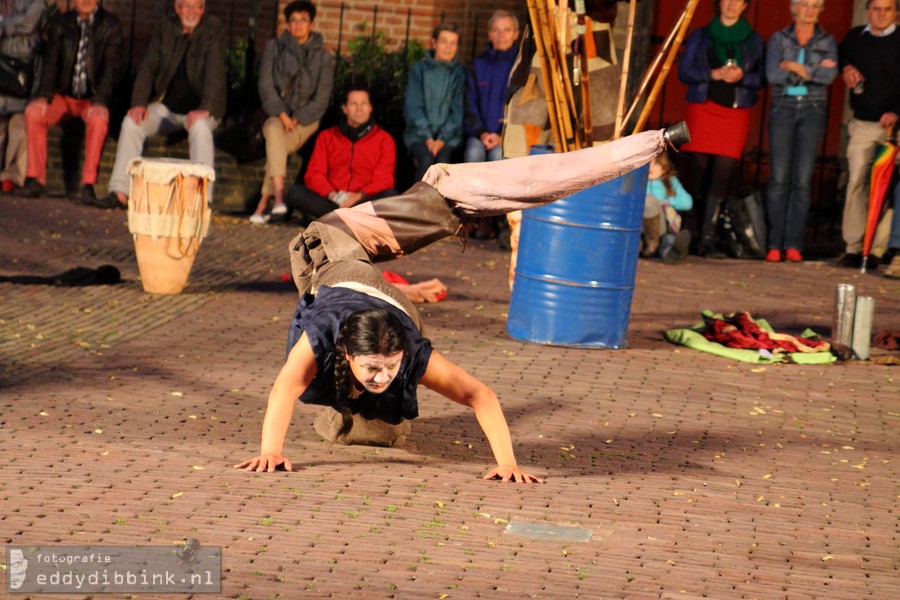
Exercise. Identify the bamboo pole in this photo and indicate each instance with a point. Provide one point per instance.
(654, 93)
(652, 69)
(626, 64)
(545, 21)
(562, 42)
(588, 51)
(545, 76)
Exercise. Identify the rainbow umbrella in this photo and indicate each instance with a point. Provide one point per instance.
(880, 178)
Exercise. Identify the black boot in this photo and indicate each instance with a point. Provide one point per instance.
(709, 245)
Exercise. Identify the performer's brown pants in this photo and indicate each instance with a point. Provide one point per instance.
(343, 245)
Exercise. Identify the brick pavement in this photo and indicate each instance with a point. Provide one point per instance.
(698, 477)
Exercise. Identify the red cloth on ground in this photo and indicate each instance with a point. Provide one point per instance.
(717, 129)
(394, 278)
(886, 338)
(739, 330)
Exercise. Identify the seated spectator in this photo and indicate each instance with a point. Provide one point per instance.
(433, 107)
(661, 231)
(485, 99)
(295, 81)
(20, 39)
(81, 67)
(352, 162)
(487, 88)
(180, 85)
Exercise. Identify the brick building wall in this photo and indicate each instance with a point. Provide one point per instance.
(139, 18)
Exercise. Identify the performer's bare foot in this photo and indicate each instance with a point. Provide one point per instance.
(432, 290)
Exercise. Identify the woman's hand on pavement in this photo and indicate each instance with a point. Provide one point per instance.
(265, 463)
(512, 473)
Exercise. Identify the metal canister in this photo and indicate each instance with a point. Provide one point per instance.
(844, 313)
(862, 327)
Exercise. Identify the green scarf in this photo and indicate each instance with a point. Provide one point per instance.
(728, 41)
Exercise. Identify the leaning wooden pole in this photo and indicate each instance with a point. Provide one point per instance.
(667, 66)
(626, 63)
(562, 55)
(546, 20)
(664, 49)
(545, 75)
(588, 51)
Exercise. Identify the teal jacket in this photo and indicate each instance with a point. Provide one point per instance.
(681, 201)
(433, 107)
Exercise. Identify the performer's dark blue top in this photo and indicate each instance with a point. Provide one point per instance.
(321, 317)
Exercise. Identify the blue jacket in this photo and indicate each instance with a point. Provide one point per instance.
(486, 93)
(693, 69)
(433, 107)
(783, 45)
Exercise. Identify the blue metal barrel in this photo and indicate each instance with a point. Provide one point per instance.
(576, 266)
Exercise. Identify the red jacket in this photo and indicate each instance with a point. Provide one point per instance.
(366, 166)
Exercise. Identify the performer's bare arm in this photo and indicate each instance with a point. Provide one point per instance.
(442, 376)
(453, 382)
(296, 374)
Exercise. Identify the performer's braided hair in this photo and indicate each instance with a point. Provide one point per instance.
(369, 331)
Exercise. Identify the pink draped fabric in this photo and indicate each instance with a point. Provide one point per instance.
(499, 187)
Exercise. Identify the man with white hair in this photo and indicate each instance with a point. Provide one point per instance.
(180, 85)
(870, 65)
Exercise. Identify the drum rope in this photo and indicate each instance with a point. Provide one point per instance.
(201, 195)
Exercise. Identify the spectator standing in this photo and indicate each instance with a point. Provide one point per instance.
(723, 68)
(870, 65)
(352, 162)
(801, 62)
(295, 81)
(433, 107)
(19, 39)
(80, 70)
(180, 85)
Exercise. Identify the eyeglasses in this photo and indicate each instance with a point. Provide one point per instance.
(303, 20)
(809, 5)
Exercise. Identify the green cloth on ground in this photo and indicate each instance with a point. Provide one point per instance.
(692, 338)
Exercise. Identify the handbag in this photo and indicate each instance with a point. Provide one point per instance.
(741, 226)
(748, 217)
(16, 77)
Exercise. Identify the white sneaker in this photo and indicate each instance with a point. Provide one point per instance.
(279, 209)
(259, 219)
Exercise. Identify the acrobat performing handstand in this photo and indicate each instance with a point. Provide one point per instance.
(356, 342)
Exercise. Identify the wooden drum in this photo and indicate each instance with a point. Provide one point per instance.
(168, 215)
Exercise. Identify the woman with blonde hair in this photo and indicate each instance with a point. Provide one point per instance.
(801, 63)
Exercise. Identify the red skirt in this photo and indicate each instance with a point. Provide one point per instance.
(717, 129)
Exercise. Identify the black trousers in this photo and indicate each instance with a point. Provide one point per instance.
(314, 206)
